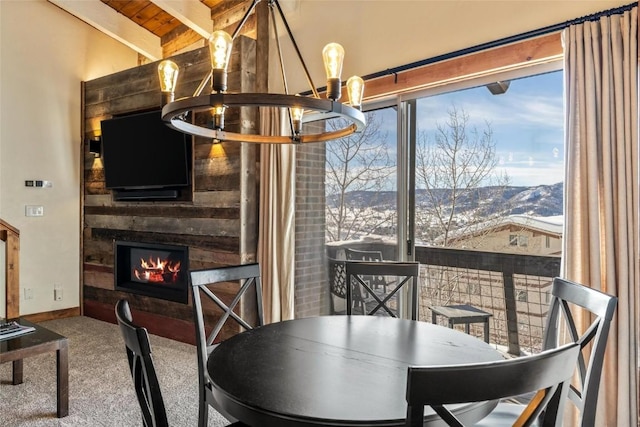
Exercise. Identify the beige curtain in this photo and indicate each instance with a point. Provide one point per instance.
(601, 191)
(276, 237)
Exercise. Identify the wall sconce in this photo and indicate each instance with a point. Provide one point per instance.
(95, 146)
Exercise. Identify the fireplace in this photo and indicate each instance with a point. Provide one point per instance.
(155, 270)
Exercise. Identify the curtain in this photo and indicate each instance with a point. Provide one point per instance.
(601, 191)
(276, 236)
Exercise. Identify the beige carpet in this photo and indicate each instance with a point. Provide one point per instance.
(100, 386)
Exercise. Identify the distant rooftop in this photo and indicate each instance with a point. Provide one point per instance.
(545, 224)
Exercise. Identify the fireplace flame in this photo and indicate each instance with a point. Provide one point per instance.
(157, 271)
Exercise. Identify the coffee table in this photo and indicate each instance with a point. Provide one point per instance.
(40, 341)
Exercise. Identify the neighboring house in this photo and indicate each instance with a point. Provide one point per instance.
(521, 234)
(516, 234)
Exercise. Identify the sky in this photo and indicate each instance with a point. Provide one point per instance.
(527, 123)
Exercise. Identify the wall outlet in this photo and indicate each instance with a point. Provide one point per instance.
(28, 293)
(57, 293)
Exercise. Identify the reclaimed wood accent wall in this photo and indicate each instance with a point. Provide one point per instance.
(217, 221)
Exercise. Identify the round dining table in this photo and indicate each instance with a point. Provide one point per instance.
(336, 371)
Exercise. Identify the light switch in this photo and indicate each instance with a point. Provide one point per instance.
(34, 210)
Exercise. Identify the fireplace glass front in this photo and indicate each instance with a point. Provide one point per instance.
(151, 269)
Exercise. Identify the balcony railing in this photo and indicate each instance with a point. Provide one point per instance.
(514, 288)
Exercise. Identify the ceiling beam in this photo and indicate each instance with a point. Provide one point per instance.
(115, 25)
(193, 14)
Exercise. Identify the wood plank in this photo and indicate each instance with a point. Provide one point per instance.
(169, 211)
(52, 315)
(201, 258)
(191, 226)
(215, 243)
(98, 251)
(178, 39)
(12, 274)
(530, 52)
(157, 324)
(217, 198)
(98, 279)
(228, 13)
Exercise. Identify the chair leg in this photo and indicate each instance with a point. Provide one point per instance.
(203, 413)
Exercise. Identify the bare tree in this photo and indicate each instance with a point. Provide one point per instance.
(455, 168)
(358, 166)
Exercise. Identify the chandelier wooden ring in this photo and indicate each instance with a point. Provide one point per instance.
(320, 109)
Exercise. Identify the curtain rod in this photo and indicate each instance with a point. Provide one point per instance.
(496, 43)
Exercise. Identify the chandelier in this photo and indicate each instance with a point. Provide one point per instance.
(301, 109)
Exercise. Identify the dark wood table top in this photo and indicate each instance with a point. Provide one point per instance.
(335, 370)
(30, 343)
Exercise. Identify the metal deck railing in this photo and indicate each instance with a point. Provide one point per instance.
(514, 288)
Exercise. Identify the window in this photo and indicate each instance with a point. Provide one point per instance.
(482, 157)
(521, 296)
(518, 240)
(521, 129)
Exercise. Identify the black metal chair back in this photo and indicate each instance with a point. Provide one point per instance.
(205, 283)
(368, 256)
(145, 381)
(549, 371)
(593, 341)
(405, 273)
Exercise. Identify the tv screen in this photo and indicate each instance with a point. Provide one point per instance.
(141, 152)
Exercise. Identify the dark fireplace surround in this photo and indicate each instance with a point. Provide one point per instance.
(151, 269)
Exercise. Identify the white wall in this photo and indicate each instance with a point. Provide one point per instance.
(45, 53)
(378, 35)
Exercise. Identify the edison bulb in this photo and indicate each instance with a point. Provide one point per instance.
(355, 90)
(333, 56)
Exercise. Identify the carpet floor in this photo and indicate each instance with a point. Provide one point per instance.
(100, 386)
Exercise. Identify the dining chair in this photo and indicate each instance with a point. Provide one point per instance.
(143, 371)
(567, 300)
(212, 285)
(145, 381)
(406, 274)
(371, 256)
(549, 371)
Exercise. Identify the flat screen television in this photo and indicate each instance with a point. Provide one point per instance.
(144, 158)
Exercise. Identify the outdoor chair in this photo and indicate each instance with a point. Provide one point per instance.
(212, 285)
(406, 275)
(370, 256)
(549, 372)
(338, 289)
